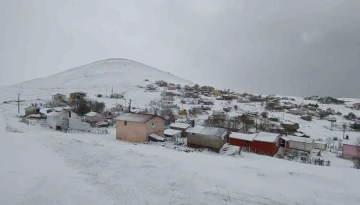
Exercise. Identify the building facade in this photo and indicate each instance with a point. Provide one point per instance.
(137, 127)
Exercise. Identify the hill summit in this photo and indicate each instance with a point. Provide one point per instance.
(110, 72)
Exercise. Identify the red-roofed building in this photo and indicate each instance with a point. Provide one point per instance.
(261, 143)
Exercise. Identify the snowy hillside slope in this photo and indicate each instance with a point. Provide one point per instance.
(105, 73)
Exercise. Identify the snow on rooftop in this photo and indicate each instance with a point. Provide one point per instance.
(214, 131)
(242, 136)
(266, 137)
(157, 137)
(58, 109)
(132, 117)
(300, 139)
(171, 132)
(54, 114)
(58, 94)
(320, 142)
(91, 114)
(180, 125)
(209, 131)
(34, 116)
(350, 143)
(288, 123)
(32, 107)
(197, 129)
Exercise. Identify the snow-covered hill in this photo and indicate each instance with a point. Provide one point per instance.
(105, 73)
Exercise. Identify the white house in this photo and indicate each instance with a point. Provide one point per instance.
(297, 111)
(320, 145)
(76, 122)
(58, 120)
(117, 95)
(93, 117)
(57, 98)
(298, 143)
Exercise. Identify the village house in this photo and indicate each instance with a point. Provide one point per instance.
(297, 111)
(58, 98)
(117, 95)
(320, 145)
(218, 115)
(172, 87)
(58, 120)
(298, 143)
(242, 140)
(205, 101)
(207, 137)
(138, 127)
(180, 126)
(356, 106)
(32, 110)
(151, 88)
(311, 108)
(243, 100)
(93, 117)
(77, 122)
(261, 143)
(330, 111)
(173, 134)
(350, 151)
(77, 95)
(288, 106)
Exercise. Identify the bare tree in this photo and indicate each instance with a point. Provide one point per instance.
(344, 128)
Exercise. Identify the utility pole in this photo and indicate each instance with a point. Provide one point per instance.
(18, 103)
(130, 105)
(112, 90)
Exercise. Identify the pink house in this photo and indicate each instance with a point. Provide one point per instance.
(133, 127)
(351, 151)
(172, 87)
(356, 106)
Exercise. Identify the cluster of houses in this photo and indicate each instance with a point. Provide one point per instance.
(139, 128)
(64, 117)
(257, 133)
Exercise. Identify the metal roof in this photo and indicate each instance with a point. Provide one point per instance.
(171, 132)
(298, 139)
(133, 117)
(209, 131)
(266, 137)
(180, 125)
(242, 136)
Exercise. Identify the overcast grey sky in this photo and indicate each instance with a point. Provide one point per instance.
(280, 46)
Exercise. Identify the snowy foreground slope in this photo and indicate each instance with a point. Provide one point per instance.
(42, 166)
(103, 74)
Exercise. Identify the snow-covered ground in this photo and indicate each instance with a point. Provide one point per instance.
(41, 166)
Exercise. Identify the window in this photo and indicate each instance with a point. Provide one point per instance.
(153, 124)
(193, 133)
(125, 123)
